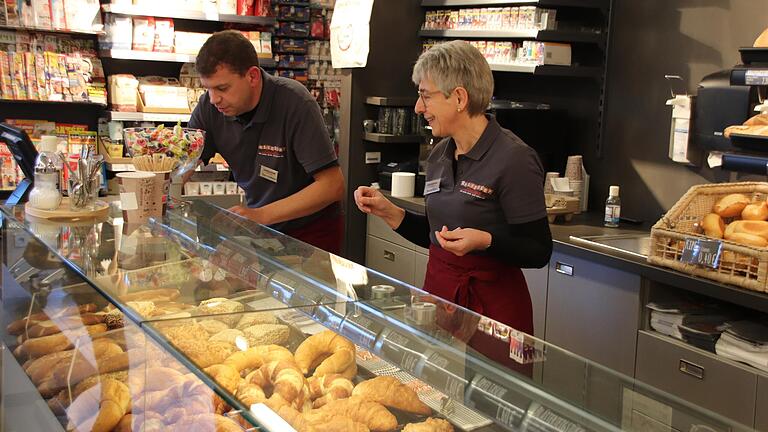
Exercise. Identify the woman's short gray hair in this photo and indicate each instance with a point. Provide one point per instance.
(457, 64)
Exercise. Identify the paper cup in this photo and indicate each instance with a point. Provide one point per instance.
(162, 181)
(403, 184)
(140, 198)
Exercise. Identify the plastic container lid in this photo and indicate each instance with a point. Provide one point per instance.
(49, 143)
(613, 191)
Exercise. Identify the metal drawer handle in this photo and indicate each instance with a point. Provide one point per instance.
(389, 255)
(691, 369)
(563, 268)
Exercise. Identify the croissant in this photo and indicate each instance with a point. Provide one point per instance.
(205, 422)
(285, 378)
(250, 394)
(319, 422)
(372, 414)
(430, 425)
(99, 408)
(340, 354)
(254, 358)
(329, 387)
(390, 392)
(227, 377)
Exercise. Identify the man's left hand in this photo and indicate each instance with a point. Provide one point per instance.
(254, 214)
(462, 241)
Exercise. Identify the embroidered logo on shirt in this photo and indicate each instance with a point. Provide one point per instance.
(271, 151)
(475, 190)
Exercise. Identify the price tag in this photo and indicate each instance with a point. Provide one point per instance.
(756, 77)
(702, 252)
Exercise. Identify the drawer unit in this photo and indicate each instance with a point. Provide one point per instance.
(392, 260)
(697, 376)
(377, 227)
(761, 411)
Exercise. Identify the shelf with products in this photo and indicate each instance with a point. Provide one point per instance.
(602, 4)
(48, 102)
(549, 70)
(62, 31)
(539, 35)
(142, 116)
(125, 54)
(139, 10)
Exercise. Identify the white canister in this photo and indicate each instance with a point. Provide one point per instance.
(403, 184)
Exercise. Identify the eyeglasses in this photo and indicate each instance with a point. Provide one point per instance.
(425, 96)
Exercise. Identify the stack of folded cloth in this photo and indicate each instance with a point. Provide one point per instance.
(745, 341)
(668, 318)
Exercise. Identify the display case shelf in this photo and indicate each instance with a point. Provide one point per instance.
(391, 101)
(391, 139)
(603, 4)
(540, 35)
(142, 116)
(124, 54)
(137, 10)
(81, 32)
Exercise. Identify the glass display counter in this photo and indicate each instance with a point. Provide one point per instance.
(206, 321)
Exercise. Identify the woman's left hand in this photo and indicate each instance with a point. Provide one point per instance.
(462, 241)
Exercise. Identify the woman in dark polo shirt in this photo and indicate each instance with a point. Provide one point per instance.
(485, 212)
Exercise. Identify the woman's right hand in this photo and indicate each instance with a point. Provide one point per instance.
(371, 201)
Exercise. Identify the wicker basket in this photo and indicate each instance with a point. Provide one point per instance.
(740, 265)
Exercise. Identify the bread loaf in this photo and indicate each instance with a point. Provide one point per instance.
(267, 334)
(391, 393)
(730, 205)
(760, 130)
(100, 408)
(429, 425)
(17, 327)
(213, 326)
(713, 225)
(755, 211)
(758, 120)
(49, 327)
(205, 354)
(762, 40)
(229, 336)
(154, 295)
(38, 347)
(225, 309)
(254, 318)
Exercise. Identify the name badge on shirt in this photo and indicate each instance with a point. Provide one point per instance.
(432, 186)
(268, 173)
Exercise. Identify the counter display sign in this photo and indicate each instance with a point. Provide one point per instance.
(702, 252)
(756, 77)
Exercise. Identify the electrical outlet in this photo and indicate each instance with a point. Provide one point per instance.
(372, 157)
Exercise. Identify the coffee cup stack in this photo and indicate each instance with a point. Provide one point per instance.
(573, 171)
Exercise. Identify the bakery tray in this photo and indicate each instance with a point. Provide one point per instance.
(754, 56)
(751, 142)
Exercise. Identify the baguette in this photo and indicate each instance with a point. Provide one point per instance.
(17, 327)
(53, 326)
(391, 393)
(38, 347)
(41, 369)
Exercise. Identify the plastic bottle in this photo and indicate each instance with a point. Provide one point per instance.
(46, 195)
(612, 208)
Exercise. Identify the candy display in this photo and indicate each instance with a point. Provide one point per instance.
(182, 145)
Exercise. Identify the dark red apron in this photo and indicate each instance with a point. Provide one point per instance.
(484, 285)
(325, 233)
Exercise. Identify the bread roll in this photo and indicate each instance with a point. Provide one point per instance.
(755, 211)
(391, 393)
(38, 347)
(731, 205)
(18, 326)
(749, 239)
(55, 325)
(758, 228)
(762, 40)
(229, 336)
(713, 225)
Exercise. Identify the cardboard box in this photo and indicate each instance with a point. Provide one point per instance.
(163, 99)
(556, 54)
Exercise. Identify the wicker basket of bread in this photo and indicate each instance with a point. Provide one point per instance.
(737, 214)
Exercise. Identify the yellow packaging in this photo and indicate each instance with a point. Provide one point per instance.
(18, 76)
(42, 84)
(6, 91)
(30, 76)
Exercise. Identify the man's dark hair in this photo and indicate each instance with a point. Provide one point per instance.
(226, 48)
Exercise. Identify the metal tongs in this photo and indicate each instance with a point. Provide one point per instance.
(83, 181)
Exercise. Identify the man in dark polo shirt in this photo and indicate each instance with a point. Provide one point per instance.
(271, 133)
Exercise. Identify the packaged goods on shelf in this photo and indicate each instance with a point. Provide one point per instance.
(266, 45)
(497, 18)
(58, 15)
(292, 29)
(11, 12)
(119, 33)
(143, 33)
(82, 14)
(227, 7)
(123, 92)
(164, 96)
(511, 53)
(292, 46)
(163, 35)
(189, 42)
